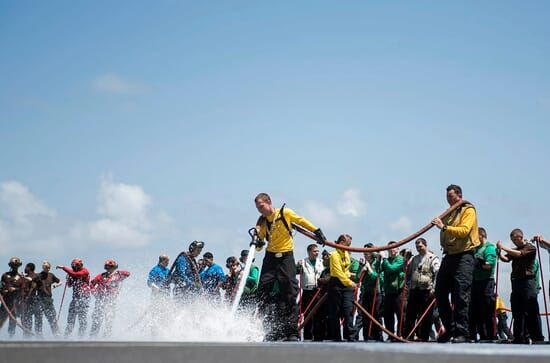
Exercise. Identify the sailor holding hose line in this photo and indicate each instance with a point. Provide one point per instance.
(459, 237)
(273, 226)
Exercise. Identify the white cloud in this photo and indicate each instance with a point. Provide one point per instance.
(113, 83)
(320, 214)
(5, 235)
(123, 202)
(20, 204)
(125, 216)
(119, 234)
(351, 204)
(28, 227)
(25, 221)
(402, 224)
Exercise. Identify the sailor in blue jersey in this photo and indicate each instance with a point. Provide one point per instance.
(184, 273)
(157, 279)
(212, 277)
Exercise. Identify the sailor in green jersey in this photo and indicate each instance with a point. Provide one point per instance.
(394, 277)
(354, 269)
(371, 294)
(482, 306)
(354, 274)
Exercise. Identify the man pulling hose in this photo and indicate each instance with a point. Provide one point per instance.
(279, 266)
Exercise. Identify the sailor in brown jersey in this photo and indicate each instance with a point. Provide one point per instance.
(11, 288)
(44, 282)
(525, 306)
(30, 305)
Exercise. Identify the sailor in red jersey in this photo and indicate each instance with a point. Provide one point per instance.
(105, 288)
(78, 278)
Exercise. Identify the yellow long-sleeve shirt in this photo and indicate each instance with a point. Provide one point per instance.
(281, 240)
(500, 307)
(339, 266)
(462, 231)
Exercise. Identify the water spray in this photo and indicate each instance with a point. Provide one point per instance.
(253, 233)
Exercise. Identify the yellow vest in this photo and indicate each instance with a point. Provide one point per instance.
(339, 266)
(279, 238)
(462, 231)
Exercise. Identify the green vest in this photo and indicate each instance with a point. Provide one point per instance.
(394, 274)
(354, 268)
(488, 253)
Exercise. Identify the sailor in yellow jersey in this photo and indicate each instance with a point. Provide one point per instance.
(275, 227)
(459, 237)
(503, 331)
(340, 293)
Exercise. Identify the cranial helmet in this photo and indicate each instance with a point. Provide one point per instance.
(14, 262)
(77, 264)
(110, 263)
(196, 244)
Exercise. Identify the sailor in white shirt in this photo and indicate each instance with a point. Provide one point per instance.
(309, 269)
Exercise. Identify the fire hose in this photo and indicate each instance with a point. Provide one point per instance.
(300, 295)
(313, 311)
(10, 314)
(303, 314)
(543, 291)
(193, 267)
(62, 299)
(372, 319)
(421, 318)
(400, 243)
(374, 300)
(495, 327)
(403, 297)
(357, 289)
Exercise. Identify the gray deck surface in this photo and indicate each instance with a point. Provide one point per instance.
(168, 352)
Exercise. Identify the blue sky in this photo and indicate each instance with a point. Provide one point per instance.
(129, 129)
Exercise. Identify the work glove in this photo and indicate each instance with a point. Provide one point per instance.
(259, 244)
(367, 267)
(479, 262)
(321, 239)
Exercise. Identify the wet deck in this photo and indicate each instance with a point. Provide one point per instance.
(168, 352)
